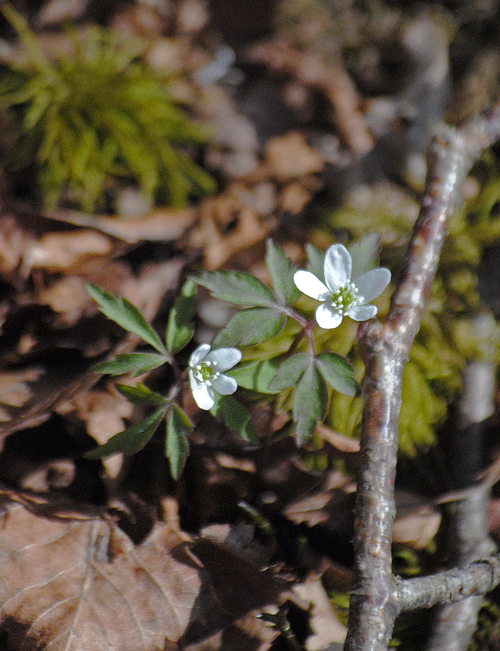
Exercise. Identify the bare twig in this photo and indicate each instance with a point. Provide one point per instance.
(376, 595)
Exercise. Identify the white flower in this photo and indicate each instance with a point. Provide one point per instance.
(205, 373)
(340, 295)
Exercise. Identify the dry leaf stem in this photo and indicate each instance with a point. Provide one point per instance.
(377, 596)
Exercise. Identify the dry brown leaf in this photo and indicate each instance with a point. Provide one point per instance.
(330, 79)
(417, 520)
(14, 390)
(59, 251)
(327, 628)
(84, 586)
(13, 242)
(289, 157)
(162, 224)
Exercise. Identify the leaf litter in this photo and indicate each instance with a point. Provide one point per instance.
(88, 560)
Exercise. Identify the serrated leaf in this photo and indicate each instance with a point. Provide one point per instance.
(178, 428)
(133, 364)
(309, 403)
(126, 315)
(253, 325)
(236, 287)
(235, 416)
(364, 254)
(281, 271)
(131, 440)
(256, 375)
(316, 261)
(337, 372)
(141, 395)
(180, 327)
(289, 372)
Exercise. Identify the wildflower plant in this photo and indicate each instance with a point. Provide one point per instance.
(95, 116)
(213, 372)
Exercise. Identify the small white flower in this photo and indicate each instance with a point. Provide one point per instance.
(206, 373)
(340, 295)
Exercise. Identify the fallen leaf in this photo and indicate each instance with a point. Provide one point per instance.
(59, 251)
(84, 585)
(324, 623)
(162, 224)
(289, 157)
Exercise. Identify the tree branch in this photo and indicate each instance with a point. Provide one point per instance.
(385, 349)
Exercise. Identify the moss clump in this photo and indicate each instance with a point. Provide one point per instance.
(97, 115)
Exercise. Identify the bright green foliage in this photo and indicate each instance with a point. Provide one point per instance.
(309, 403)
(337, 372)
(251, 326)
(281, 272)
(289, 371)
(132, 363)
(141, 395)
(130, 440)
(96, 115)
(180, 326)
(256, 376)
(126, 315)
(236, 287)
(235, 416)
(176, 441)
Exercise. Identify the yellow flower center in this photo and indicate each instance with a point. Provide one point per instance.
(345, 298)
(204, 372)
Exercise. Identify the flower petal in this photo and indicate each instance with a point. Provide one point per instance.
(225, 385)
(203, 395)
(224, 358)
(327, 317)
(310, 285)
(362, 312)
(372, 283)
(199, 354)
(338, 266)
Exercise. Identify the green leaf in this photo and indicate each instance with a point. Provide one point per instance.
(141, 395)
(126, 315)
(309, 403)
(131, 440)
(132, 363)
(235, 416)
(178, 428)
(364, 254)
(289, 372)
(251, 326)
(255, 376)
(281, 271)
(180, 326)
(316, 261)
(236, 287)
(337, 372)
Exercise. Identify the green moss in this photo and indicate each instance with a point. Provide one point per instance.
(97, 115)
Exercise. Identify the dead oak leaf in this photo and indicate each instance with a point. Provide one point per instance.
(77, 585)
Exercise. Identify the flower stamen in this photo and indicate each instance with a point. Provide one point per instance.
(345, 298)
(204, 372)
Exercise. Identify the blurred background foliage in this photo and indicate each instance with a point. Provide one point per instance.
(95, 116)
